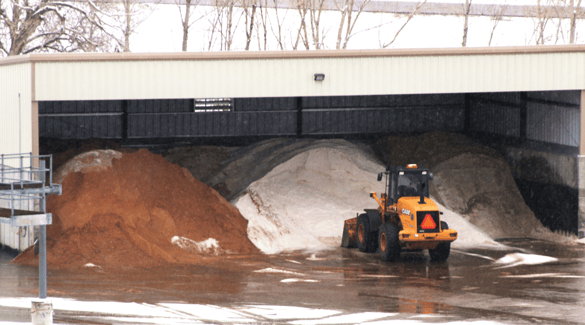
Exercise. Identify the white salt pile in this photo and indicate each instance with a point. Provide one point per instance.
(303, 202)
(296, 193)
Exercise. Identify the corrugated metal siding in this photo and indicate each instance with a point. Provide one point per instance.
(570, 97)
(80, 119)
(294, 76)
(265, 104)
(554, 124)
(159, 106)
(378, 101)
(506, 97)
(15, 136)
(495, 119)
(212, 124)
(81, 127)
(382, 120)
(80, 107)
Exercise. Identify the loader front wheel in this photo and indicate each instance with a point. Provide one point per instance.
(366, 240)
(389, 244)
(441, 253)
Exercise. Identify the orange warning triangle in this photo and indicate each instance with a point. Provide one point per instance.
(428, 222)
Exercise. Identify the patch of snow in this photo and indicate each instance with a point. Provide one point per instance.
(146, 320)
(209, 246)
(92, 265)
(314, 257)
(298, 280)
(210, 313)
(347, 319)
(516, 259)
(289, 312)
(273, 270)
(293, 261)
(543, 275)
(378, 276)
(408, 322)
(109, 307)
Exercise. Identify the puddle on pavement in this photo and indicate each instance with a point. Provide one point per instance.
(467, 286)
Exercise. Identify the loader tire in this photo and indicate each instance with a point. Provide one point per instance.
(389, 243)
(366, 239)
(441, 253)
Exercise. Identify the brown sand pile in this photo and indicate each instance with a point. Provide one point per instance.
(470, 179)
(137, 210)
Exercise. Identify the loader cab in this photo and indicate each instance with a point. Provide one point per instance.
(409, 181)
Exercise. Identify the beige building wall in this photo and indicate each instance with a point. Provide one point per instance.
(283, 74)
(16, 136)
(16, 108)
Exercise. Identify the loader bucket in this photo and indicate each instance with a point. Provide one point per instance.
(349, 238)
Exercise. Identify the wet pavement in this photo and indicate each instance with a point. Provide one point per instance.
(533, 282)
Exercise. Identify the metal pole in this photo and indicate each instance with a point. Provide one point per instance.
(43, 246)
(43, 262)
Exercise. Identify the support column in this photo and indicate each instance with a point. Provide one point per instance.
(467, 115)
(299, 117)
(43, 241)
(581, 166)
(523, 116)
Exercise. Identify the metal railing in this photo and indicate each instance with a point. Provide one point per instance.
(24, 178)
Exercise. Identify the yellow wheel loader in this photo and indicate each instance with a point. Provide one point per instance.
(406, 218)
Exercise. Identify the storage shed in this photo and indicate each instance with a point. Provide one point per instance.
(526, 101)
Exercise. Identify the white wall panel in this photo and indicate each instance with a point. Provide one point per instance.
(15, 108)
(15, 136)
(273, 77)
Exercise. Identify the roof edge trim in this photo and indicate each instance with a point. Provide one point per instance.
(11, 60)
(260, 55)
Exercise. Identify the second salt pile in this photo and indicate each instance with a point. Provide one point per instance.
(303, 202)
(472, 180)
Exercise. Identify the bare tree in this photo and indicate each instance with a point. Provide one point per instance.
(123, 16)
(315, 10)
(28, 26)
(302, 35)
(279, 21)
(348, 21)
(466, 10)
(496, 17)
(408, 19)
(224, 20)
(249, 14)
(186, 18)
(574, 17)
(543, 17)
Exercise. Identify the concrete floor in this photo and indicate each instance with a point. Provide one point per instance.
(471, 286)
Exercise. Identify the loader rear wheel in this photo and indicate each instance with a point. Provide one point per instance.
(389, 244)
(441, 253)
(366, 240)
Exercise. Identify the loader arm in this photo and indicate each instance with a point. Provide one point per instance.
(381, 202)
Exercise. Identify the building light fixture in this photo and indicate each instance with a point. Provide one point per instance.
(319, 76)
